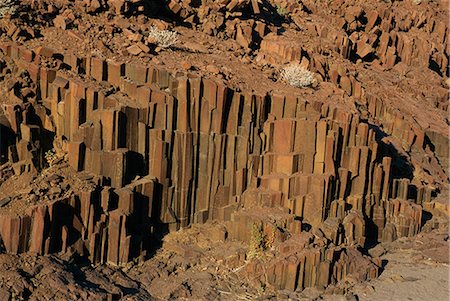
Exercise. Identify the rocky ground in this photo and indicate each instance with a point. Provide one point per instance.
(190, 266)
(416, 269)
(384, 63)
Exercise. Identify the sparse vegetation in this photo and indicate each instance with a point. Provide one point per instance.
(260, 240)
(297, 76)
(281, 10)
(262, 287)
(163, 38)
(257, 241)
(7, 7)
(50, 157)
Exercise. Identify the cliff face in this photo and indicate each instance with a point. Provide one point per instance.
(140, 151)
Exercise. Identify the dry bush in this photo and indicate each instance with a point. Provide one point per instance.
(257, 241)
(7, 7)
(297, 76)
(281, 10)
(163, 38)
(50, 157)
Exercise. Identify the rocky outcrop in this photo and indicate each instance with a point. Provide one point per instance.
(170, 151)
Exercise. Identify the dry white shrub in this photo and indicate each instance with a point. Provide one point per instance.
(297, 76)
(7, 7)
(163, 38)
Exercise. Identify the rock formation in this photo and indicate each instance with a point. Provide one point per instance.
(164, 150)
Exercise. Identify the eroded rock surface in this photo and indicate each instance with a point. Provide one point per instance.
(108, 146)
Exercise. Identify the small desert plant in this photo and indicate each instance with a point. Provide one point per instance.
(262, 287)
(163, 38)
(281, 10)
(297, 76)
(257, 241)
(7, 7)
(50, 157)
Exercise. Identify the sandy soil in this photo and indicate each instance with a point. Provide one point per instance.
(411, 275)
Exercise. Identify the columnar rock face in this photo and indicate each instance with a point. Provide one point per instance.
(173, 150)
